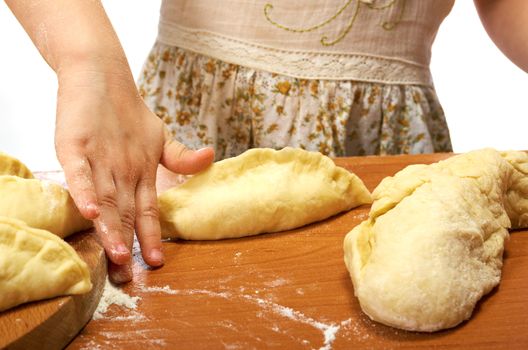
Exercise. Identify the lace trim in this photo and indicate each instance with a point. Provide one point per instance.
(298, 64)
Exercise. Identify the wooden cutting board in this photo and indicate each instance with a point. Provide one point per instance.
(291, 290)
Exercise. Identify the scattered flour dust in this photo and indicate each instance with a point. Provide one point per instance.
(91, 345)
(276, 283)
(166, 290)
(329, 330)
(114, 295)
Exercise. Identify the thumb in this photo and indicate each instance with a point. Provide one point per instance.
(179, 159)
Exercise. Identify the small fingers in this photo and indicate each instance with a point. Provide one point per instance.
(78, 173)
(126, 204)
(108, 223)
(125, 186)
(147, 221)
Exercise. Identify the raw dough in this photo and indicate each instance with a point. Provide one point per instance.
(36, 264)
(40, 204)
(12, 166)
(262, 190)
(433, 243)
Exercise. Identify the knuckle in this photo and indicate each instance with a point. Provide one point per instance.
(108, 199)
(179, 150)
(83, 141)
(78, 142)
(149, 211)
(128, 219)
(129, 170)
(182, 151)
(129, 175)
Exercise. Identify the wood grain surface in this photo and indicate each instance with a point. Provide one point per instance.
(53, 323)
(291, 290)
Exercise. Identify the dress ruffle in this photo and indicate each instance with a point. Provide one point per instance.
(207, 102)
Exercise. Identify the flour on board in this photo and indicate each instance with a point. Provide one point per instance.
(329, 330)
(114, 295)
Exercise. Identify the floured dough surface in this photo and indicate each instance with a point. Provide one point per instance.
(40, 204)
(262, 190)
(433, 243)
(12, 166)
(36, 264)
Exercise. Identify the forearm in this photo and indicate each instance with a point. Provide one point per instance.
(72, 35)
(506, 22)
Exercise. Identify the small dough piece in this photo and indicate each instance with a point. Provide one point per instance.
(262, 190)
(40, 204)
(36, 264)
(433, 243)
(12, 166)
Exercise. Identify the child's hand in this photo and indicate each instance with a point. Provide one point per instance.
(109, 145)
(107, 141)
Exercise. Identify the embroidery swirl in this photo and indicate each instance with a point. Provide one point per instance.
(325, 40)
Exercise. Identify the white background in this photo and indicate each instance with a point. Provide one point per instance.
(484, 95)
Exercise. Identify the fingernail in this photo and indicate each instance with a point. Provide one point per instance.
(121, 249)
(202, 149)
(93, 208)
(156, 255)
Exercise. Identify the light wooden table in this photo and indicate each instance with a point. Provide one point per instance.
(288, 290)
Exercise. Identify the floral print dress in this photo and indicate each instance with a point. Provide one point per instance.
(206, 101)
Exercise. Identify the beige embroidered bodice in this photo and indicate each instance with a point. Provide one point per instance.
(386, 41)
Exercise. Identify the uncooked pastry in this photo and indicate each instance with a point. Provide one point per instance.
(12, 166)
(433, 243)
(262, 190)
(36, 264)
(40, 204)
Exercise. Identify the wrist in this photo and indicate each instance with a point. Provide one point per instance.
(110, 76)
(93, 65)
